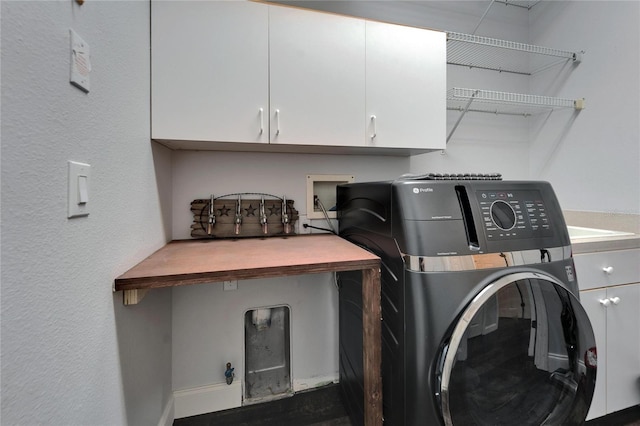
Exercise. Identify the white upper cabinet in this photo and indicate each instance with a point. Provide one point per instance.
(406, 87)
(250, 76)
(210, 71)
(317, 78)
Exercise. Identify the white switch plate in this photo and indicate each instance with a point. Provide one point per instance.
(80, 62)
(79, 183)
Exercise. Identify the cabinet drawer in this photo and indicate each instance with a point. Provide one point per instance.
(604, 269)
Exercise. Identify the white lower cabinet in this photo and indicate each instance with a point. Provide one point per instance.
(614, 311)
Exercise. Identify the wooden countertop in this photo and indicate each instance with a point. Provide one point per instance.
(184, 262)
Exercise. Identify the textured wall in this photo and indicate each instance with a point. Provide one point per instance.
(591, 158)
(71, 353)
(208, 329)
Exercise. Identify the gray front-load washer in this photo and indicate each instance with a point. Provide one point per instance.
(481, 318)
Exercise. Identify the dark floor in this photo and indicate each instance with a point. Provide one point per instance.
(323, 407)
(628, 417)
(319, 407)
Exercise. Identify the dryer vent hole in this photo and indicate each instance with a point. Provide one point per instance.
(267, 352)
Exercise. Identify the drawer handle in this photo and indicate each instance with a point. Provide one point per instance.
(605, 302)
(615, 300)
(608, 270)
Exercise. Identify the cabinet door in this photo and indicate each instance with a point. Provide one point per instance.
(623, 347)
(317, 78)
(210, 71)
(614, 313)
(592, 301)
(406, 87)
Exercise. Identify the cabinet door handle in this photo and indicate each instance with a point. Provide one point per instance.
(261, 120)
(605, 302)
(277, 122)
(373, 123)
(615, 300)
(608, 270)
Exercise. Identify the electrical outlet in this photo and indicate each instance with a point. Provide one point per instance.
(322, 225)
(303, 220)
(230, 285)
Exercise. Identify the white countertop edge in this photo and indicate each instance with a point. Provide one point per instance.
(604, 220)
(599, 244)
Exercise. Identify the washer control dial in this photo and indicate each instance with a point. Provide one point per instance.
(503, 215)
(513, 214)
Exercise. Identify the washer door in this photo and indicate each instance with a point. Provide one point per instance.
(522, 353)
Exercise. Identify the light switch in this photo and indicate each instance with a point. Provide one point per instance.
(83, 192)
(78, 189)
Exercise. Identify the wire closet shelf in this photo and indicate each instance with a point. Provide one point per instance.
(502, 55)
(489, 101)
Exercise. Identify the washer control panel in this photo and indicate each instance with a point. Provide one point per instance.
(513, 214)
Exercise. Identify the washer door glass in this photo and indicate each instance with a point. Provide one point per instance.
(522, 353)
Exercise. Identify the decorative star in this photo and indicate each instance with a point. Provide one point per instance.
(224, 211)
(274, 210)
(250, 211)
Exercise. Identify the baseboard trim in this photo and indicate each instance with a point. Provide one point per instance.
(314, 382)
(220, 396)
(207, 399)
(168, 415)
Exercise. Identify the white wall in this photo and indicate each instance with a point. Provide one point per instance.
(482, 143)
(592, 158)
(198, 174)
(72, 354)
(208, 328)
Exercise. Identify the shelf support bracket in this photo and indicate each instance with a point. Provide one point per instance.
(133, 297)
(483, 16)
(464, 111)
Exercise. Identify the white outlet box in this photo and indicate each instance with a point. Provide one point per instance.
(230, 285)
(324, 187)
